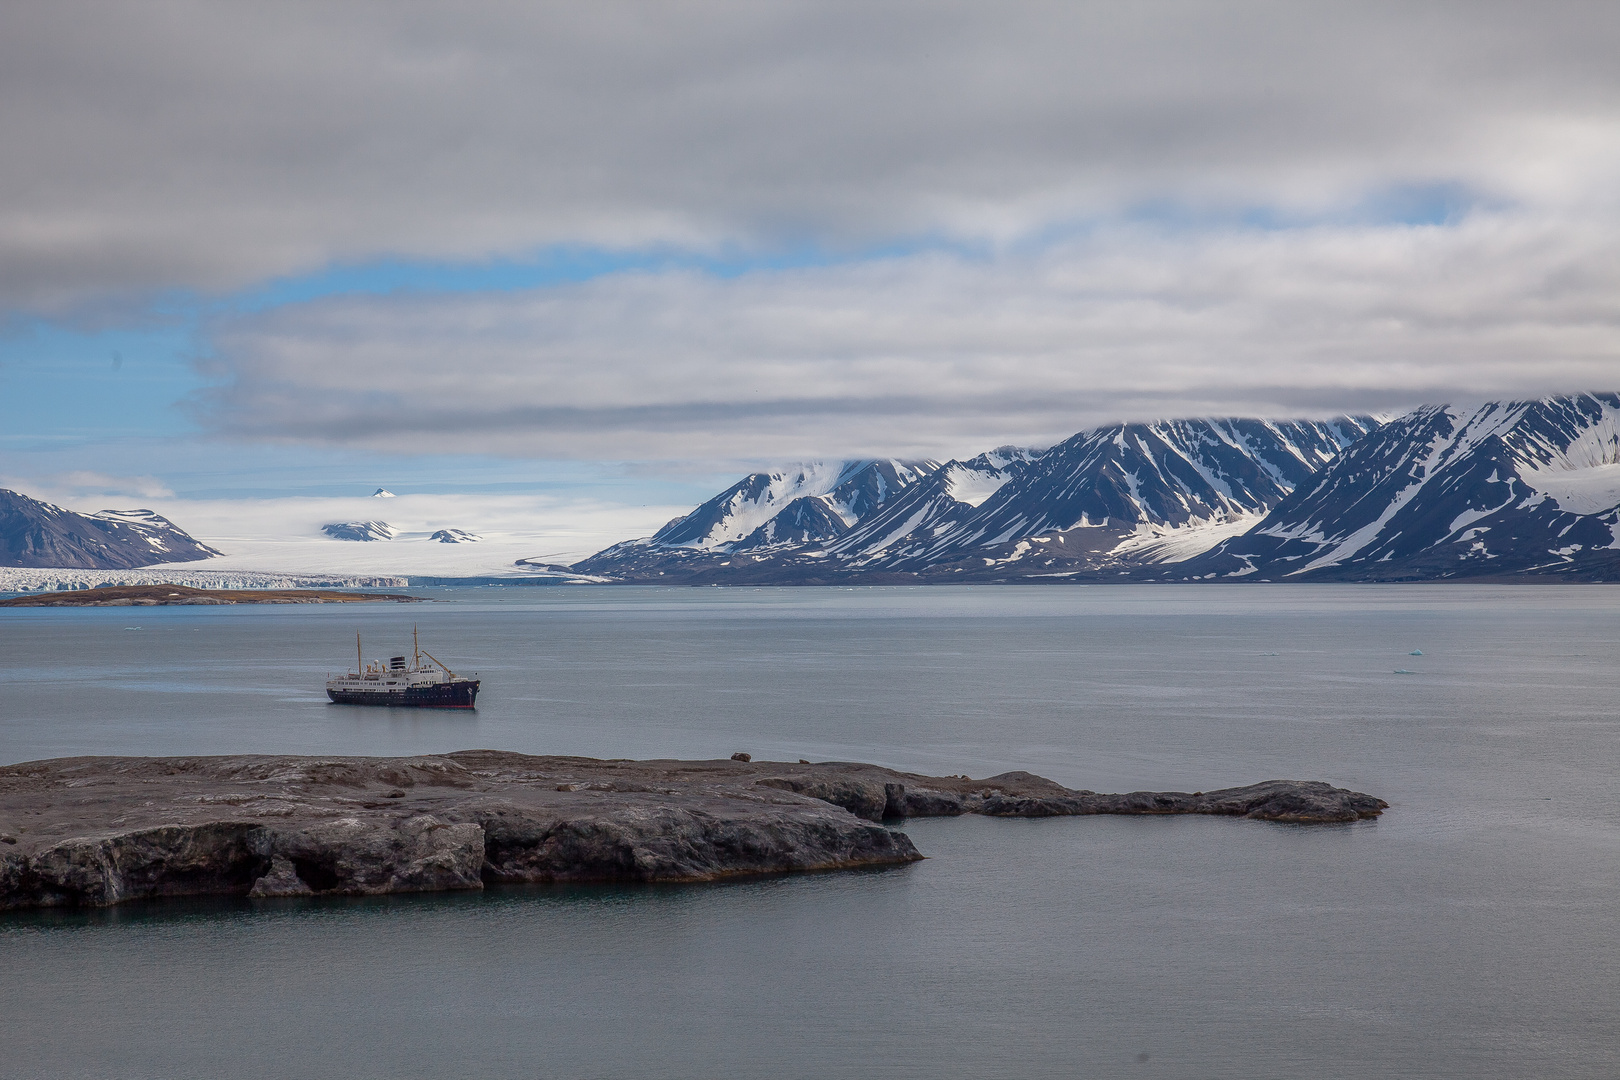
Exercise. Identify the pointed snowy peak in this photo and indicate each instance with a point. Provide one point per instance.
(854, 488)
(908, 528)
(867, 486)
(1002, 456)
(382, 493)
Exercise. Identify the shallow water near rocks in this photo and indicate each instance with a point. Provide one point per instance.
(1470, 932)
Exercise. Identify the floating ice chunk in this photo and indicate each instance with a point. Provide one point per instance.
(1404, 671)
(1415, 652)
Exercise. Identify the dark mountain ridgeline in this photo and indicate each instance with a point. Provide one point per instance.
(764, 516)
(1083, 498)
(1093, 504)
(1503, 489)
(1506, 490)
(37, 534)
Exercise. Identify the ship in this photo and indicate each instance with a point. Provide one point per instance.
(417, 685)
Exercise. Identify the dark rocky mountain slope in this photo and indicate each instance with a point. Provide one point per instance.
(34, 533)
(1104, 502)
(1504, 489)
(762, 517)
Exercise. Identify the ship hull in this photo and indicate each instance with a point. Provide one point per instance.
(458, 694)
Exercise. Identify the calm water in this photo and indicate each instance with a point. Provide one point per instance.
(1472, 932)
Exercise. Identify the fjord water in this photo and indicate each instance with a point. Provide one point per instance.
(1470, 932)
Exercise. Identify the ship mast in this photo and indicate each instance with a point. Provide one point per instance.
(416, 649)
(436, 660)
(359, 660)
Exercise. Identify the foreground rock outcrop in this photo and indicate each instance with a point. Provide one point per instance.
(100, 831)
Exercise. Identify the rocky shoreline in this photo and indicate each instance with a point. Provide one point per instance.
(94, 832)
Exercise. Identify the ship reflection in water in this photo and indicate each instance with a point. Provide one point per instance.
(430, 686)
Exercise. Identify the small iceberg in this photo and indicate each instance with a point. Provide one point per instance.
(1415, 652)
(1404, 671)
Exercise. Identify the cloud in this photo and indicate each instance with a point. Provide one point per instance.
(938, 353)
(83, 483)
(207, 146)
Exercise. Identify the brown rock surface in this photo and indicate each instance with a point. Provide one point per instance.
(99, 831)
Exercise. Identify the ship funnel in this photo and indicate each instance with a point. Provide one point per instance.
(396, 663)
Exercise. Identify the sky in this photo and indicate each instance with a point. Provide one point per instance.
(571, 268)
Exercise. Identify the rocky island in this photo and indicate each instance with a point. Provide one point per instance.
(98, 831)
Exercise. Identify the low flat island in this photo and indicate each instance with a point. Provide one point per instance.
(157, 595)
(98, 831)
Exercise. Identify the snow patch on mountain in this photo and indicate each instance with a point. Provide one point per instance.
(1161, 544)
(159, 533)
(1579, 491)
(971, 486)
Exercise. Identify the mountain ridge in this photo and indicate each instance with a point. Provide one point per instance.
(1502, 490)
(39, 534)
(1528, 487)
(1081, 500)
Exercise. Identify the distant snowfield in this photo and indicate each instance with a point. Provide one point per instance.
(1160, 544)
(972, 486)
(283, 536)
(1579, 491)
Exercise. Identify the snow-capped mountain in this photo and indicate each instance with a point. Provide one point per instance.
(841, 493)
(1504, 488)
(1114, 497)
(360, 530)
(1093, 500)
(34, 533)
(765, 514)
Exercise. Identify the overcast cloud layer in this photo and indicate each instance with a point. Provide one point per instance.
(939, 354)
(1100, 211)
